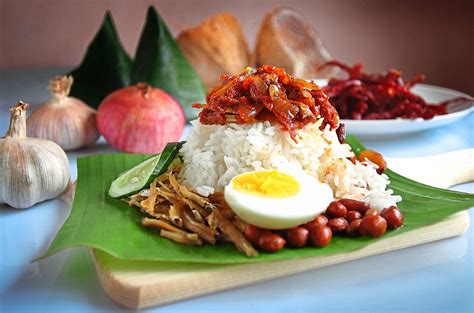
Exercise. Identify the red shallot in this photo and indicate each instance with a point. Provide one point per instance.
(140, 119)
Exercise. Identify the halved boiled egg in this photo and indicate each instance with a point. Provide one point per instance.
(276, 200)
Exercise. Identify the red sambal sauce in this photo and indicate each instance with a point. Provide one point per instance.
(363, 96)
(267, 93)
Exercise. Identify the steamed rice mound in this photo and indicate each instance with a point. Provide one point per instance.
(214, 154)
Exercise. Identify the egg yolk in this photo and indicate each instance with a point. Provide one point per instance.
(267, 184)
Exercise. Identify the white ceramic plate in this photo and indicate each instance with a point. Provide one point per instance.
(382, 129)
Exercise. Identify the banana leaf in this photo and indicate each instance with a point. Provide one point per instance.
(110, 225)
(106, 66)
(160, 62)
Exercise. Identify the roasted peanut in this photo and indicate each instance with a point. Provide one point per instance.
(282, 232)
(336, 209)
(393, 216)
(374, 157)
(371, 212)
(373, 226)
(297, 237)
(321, 235)
(353, 215)
(271, 242)
(253, 233)
(353, 228)
(319, 220)
(355, 205)
(338, 224)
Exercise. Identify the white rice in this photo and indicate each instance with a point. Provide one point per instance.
(214, 154)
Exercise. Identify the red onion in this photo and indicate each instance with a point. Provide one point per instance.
(140, 119)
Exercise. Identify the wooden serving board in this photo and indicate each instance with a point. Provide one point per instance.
(140, 284)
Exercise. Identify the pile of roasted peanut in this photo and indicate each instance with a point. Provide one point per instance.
(344, 217)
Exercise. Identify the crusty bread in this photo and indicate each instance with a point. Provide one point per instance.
(287, 40)
(216, 46)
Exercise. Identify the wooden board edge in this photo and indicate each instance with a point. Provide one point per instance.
(121, 293)
(227, 277)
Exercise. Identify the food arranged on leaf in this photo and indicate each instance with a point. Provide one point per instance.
(265, 166)
(363, 96)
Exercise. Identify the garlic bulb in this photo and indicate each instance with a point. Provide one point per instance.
(67, 121)
(31, 170)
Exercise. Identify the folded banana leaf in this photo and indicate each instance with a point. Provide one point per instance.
(107, 67)
(160, 62)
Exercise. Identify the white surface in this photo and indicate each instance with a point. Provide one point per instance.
(434, 170)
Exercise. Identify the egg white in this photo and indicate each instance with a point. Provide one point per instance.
(280, 213)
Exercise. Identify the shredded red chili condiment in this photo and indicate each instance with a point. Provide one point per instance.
(379, 96)
(267, 93)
